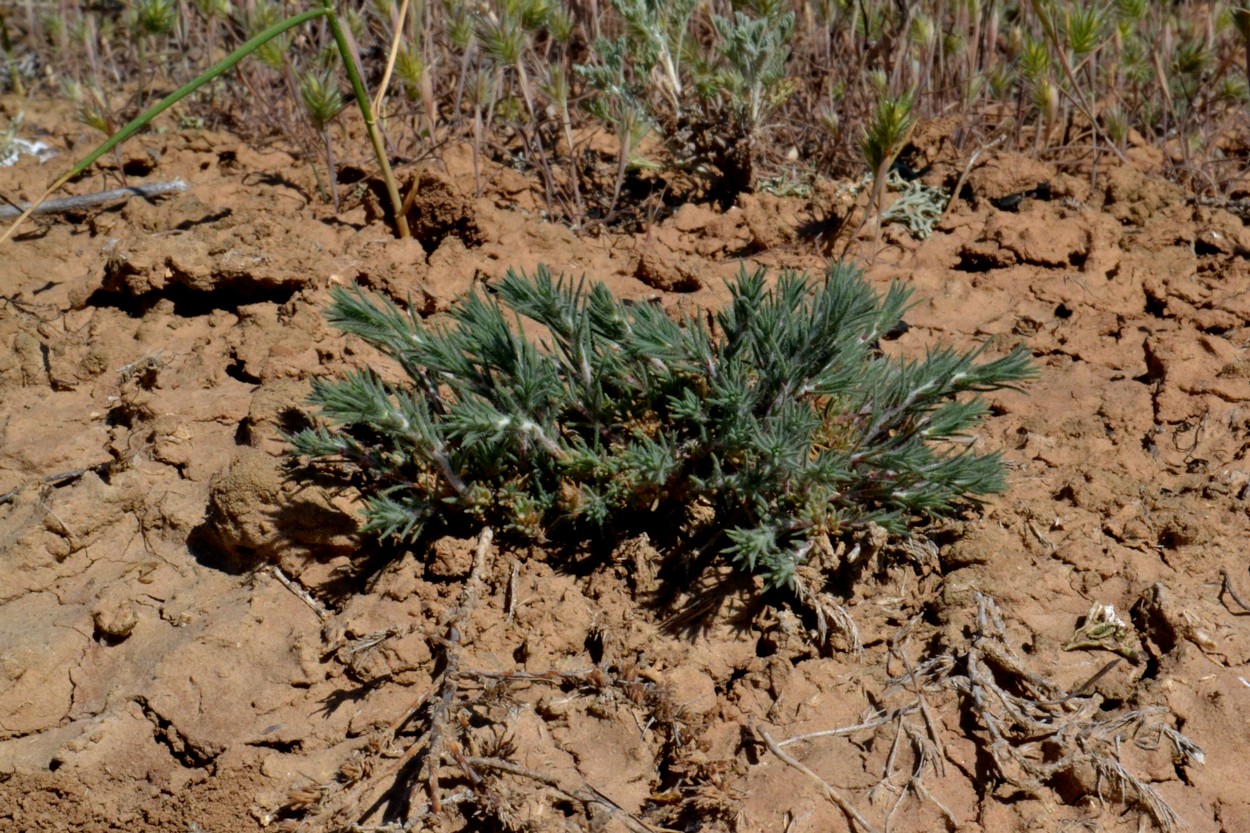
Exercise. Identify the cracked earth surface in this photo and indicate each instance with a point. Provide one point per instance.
(156, 674)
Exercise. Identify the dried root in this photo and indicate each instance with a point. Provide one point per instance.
(1041, 739)
(831, 617)
(1041, 736)
(452, 749)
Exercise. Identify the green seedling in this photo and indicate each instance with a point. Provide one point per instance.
(708, 101)
(708, 97)
(410, 70)
(322, 99)
(93, 109)
(272, 52)
(1074, 34)
(149, 20)
(657, 32)
(885, 137)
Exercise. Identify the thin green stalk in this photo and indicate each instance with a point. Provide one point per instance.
(1076, 95)
(143, 69)
(366, 111)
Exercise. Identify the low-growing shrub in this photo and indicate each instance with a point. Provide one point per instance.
(780, 413)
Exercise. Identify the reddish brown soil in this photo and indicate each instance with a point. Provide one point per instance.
(156, 674)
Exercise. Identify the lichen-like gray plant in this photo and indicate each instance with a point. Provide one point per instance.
(779, 412)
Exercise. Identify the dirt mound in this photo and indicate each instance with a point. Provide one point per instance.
(189, 640)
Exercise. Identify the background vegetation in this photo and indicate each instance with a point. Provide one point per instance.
(612, 104)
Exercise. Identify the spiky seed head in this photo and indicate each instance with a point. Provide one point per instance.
(923, 31)
(410, 70)
(561, 25)
(322, 97)
(831, 123)
(154, 17)
(1131, 11)
(460, 29)
(556, 86)
(356, 23)
(534, 14)
(891, 124)
(213, 9)
(272, 53)
(385, 9)
(1046, 98)
(1116, 123)
(1034, 60)
(1084, 28)
(503, 40)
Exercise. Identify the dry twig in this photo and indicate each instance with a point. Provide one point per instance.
(1226, 587)
(85, 201)
(299, 592)
(440, 716)
(829, 792)
(586, 795)
(1043, 731)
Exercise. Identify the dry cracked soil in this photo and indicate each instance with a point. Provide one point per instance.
(191, 641)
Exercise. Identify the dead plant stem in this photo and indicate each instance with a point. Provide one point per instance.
(380, 96)
(1227, 587)
(299, 592)
(829, 792)
(587, 795)
(444, 700)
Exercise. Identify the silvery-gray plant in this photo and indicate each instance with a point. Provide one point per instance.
(779, 413)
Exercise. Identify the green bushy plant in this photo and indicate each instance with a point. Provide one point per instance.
(779, 413)
(708, 102)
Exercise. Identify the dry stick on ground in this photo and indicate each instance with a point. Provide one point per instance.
(58, 479)
(440, 697)
(828, 612)
(1019, 725)
(926, 756)
(878, 719)
(830, 793)
(1032, 730)
(1226, 586)
(440, 712)
(963, 176)
(927, 747)
(86, 201)
(898, 645)
(299, 592)
(422, 744)
(587, 795)
(351, 799)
